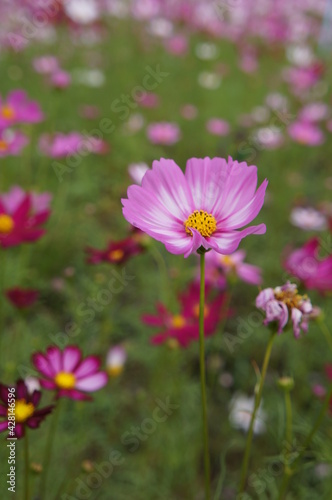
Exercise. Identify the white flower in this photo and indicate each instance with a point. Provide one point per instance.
(137, 171)
(116, 358)
(32, 384)
(241, 408)
(209, 80)
(82, 11)
(308, 218)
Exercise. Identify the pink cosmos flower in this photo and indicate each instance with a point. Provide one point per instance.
(182, 328)
(148, 100)
(21, 215)
(117, 252)
(217, 126)
(188, 111)
(163, 133)
(308, 218)
(203, 208)
(18, 109)
(63, 145)
(314, 112)
(12, 142)
(45, 64)
(220, 266)
(176, 44)
(22, 297)
(305, 264)
(283, 303)
(67, 373)
(306, 133)
(60, 79)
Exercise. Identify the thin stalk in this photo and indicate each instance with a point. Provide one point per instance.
(48, 450)
(203, 383)
(253, 416)
(289, 416)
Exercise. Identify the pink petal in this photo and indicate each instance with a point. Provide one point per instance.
(70, 358)
(227, 243)
(89, 366)
(92, 383)
(54, 356)
(42, 365)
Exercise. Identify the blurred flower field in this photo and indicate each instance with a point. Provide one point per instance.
(102, 358)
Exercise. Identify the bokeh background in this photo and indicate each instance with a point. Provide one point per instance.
(234, 78)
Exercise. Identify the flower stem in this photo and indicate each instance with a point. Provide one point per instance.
(203, 385)
(289, 418)
(258, 398)
(48, 450)
(26, 466)
(326, 332)
(315, 427)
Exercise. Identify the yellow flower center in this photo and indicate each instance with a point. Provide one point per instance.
(3, 145)
(178, 321)
(115, 370)
(6, 224)
(23, 410)
(116, 254)
(227, 260)
(65, 380)
(290, 297)
(203, 222)
(7, 112)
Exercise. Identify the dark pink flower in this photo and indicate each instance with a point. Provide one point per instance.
(21, 215)
(68, 374)
(60, 79)
(306, 133)
(18, 405)
(117, 252)
(22, 298)
(306, 265)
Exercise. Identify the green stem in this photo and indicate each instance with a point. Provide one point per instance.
(258, 398)
(203, 384)
(26, 466)
(326, 333)
(160, 261)
(48, 450)
(315, 427)
(289, 417)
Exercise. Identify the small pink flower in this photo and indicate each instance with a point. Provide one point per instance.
(314, 112)
(218, 266)
(68, 374)
(189, 111)
(12, 142)
(305, 264)
(45, 64)
(18, 109)
(176, 45)
(163, 133)
(203, 208)
(60, 79)
(306, 133)
(282, 304)
(148, 100)
(217, 126)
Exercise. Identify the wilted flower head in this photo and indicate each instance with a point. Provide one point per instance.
(284, 303)
(201, 209)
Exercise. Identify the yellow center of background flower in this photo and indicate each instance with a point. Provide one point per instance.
(290, 298)
(227, 261)
(65, 380)
(203, 222)
(178, 321)
(3, 145)
(7, 112)
(115, 370)
(116, 254)
(6, 224)
(23, 410)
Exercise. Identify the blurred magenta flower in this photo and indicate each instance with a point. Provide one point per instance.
(176, 45)
(22, 297)
(12, 142)
(60, 79)
(314, 112)
(220, 266)
(63, 145)
(22, 406)
(202, 208)
(305, 264)
(117, 252)
(149, 100)
(216, 126)
(164, 133)
(306, 133)
(115, 360)
(283, 303)
(45, 64)
(18, 109)
(182, 328)
(67, 373)
(189, 111)
(21, 215)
